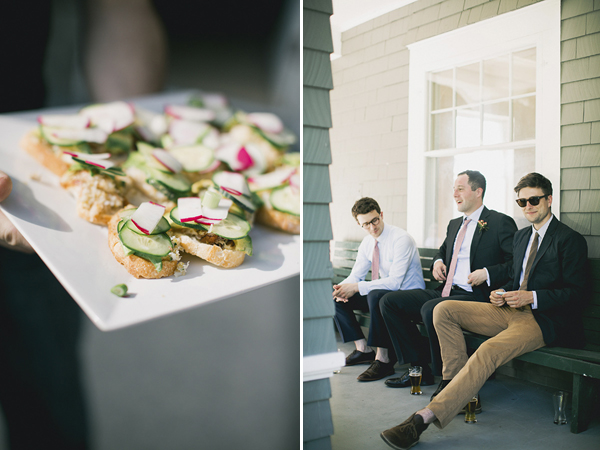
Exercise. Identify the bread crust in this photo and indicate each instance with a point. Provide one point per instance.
(136, 266)
(43, 153)
(277, 219)
(214, 254)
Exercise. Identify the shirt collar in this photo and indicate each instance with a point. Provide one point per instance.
(384, 234)
(475, 216)
(542, 231)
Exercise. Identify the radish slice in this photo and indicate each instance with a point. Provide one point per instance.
(272, 179)
(232, 182)
(214, 166)
(266, 121)
(214, 101)
(219, 213)
(147, 216)
(212, 139)
(167, 160)
(189, 113)
(74, 121)
(150, 125)
(110, 117)
(259, 161)
(86, 134)
(92, 156)
(236, 156)
(190, 208)
(186, 132)
(295, 180)
(101, 164)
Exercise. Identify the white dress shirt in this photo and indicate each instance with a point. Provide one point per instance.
(399, 263)
(542, 233)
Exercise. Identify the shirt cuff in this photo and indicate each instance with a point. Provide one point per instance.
(363, 287)
(488, 276)
(534, 305)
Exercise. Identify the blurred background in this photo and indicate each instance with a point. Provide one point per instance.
(196, 379)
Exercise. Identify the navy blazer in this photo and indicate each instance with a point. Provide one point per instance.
(491, 249)
(559, 278)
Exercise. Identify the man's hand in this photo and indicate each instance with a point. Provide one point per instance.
(518, 299)
(477, 277)
(9, 235)
(342, 292)
(497, 300)
(439, 271)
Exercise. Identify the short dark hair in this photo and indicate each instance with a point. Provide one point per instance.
(535, 180)
(364, 206)
(476, 180)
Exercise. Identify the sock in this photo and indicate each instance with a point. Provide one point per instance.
(382, 355)
(361, 346)
(427, 415)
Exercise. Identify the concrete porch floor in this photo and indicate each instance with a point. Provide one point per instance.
(516, 415)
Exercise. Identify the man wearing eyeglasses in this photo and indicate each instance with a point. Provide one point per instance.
(393, 257)
(541, 305)
(475, 258)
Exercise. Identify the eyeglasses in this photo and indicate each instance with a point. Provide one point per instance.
(533, 201)
(373, 222)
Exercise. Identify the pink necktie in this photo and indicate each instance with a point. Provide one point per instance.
(375, 262)
(459, 241)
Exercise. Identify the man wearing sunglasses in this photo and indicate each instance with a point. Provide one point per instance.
(475, 258)
(393, 257)
(540, 305)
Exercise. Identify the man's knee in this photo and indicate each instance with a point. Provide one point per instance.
(388, 304)
(443, 311)
(375, 297)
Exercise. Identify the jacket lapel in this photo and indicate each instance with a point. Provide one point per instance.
(477, 236)
(519, 256)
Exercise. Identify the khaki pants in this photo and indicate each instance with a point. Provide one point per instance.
(514, 332)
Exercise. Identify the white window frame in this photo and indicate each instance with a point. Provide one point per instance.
(537, 26)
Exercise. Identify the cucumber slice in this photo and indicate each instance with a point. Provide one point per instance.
(162, 227)
(194, 158)
(232, 227)
(153, 245)
(281, 140)
(48, 134)
(175, 218)
(174, 182)
(126, 213)
(145, 149)
(241, 200)
(286, 199)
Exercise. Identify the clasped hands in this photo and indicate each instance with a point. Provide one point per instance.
(342, 292)
(475, 278)
(514, 299)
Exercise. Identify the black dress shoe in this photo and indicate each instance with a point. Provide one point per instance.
(440, 387)
(377, 371)
(357, 357)
(478, 409)
(404, 380)
(405, 435)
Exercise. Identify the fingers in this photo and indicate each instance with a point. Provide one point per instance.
(5, 186)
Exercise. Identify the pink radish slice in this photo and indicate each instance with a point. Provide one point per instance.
(232, 182)
(186, 132)
(147, 216)
(189, 113)
(214, 166)
(214, 101)
(272, 179)
(295, 180)
(231, 191)
(244, 159)
(259, 161)
(74, 121)
(110, 117)
(266, 121)
(190, 208)
(167, 160)
(86, 134)
(91, 156)
(219, 213)
(212, 139)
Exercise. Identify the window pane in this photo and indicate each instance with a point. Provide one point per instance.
(524, 118)
(441, 131)
(467, 127)
(467, 84)
(496, 123)
(495, 78)
(524, 70)
(441, 90)
(524, 164)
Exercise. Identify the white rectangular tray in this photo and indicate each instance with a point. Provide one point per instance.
(77, 251)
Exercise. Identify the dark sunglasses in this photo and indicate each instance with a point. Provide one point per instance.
(533, 201)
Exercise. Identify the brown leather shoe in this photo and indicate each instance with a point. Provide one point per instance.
(377, 371)
(405, 435)
(358, 357)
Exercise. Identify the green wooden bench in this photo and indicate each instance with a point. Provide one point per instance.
(584, 365)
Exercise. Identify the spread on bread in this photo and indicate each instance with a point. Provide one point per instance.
(173, 182)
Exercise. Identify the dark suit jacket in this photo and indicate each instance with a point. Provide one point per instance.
(559, 277)
(491, 249)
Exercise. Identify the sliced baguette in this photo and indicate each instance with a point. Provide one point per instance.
(136, 266)
(277, 219)
(189, 239)
(44, 153)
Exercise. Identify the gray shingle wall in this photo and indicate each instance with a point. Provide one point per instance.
(369, 106)
(580, 119)
(318, 309)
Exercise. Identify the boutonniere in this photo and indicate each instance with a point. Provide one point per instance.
(482, 226)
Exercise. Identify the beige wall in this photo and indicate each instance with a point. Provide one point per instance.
(369, 105)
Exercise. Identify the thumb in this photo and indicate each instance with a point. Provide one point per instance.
(5, 186)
